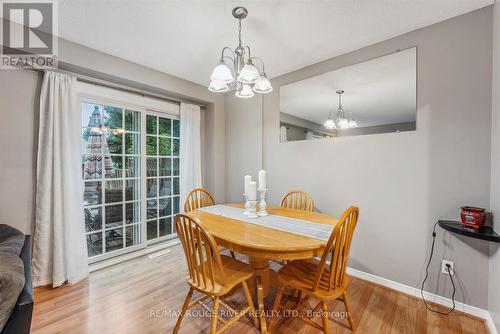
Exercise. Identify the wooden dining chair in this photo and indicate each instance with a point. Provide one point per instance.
(325, 280)
(298, 199)
(199, 198)
(210, 273)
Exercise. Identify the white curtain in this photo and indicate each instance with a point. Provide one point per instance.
(190, 150)
(59, 249)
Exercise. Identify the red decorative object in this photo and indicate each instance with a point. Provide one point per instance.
(473, 217)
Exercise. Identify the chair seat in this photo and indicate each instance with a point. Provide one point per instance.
(301, 275)
(235, 271)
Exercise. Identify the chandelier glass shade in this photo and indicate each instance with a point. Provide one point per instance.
(236, 68)
(222, 73)
(249, 74)
(330, 124)
(244, 91)
(218, 86)
(262, 85)
(340, 121)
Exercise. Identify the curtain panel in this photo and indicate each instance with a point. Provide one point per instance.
(190, 150)
(59, 249)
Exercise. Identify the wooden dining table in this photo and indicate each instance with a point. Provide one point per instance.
(262, 244)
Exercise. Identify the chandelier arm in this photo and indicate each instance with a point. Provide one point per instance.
(224, 49)
(230, 58)
(262, 63)
(249, 53)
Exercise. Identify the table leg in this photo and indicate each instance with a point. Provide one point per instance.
(262, 273)
(262, 312)
(261, 269)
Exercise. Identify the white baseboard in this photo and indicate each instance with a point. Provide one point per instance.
(491, 325)
(409, 290)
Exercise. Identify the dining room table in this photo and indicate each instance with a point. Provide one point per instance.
(284, 235)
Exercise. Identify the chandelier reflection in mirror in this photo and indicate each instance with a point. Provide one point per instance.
(248, 78)
(341, 121)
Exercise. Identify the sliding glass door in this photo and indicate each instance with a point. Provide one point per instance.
(130, 169)
(162, 175)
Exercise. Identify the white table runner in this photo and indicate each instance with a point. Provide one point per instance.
(281, 223)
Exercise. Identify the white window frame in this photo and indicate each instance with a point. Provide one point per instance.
(90, 93)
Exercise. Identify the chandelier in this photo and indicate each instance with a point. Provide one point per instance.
(341, 121)
(248, 78)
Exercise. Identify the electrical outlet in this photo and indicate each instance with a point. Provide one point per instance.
(444, 269)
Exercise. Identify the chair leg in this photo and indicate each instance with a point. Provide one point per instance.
(248, 296)
(276, 306)
(348, 310)
(326, 325)
(183, 311)
(232, 254)
(213, 327)
(299, 296)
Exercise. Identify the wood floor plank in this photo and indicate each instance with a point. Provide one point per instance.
(405, 314)
(143, 296)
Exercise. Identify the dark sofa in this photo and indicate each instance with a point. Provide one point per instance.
(19, 321)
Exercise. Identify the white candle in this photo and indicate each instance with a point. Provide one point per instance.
(262, 179)
(247, 179)
(252, 191)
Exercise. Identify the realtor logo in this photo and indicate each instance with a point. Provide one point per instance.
(28, 34)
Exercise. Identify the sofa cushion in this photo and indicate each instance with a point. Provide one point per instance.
(11, 284)
(11, 239)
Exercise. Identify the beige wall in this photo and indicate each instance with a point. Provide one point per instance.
(19, 91)
(403, 182)
(243, 142)
(19, 108)
(494, 286)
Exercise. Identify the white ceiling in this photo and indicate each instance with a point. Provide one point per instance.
(376, 92)
(184, 37)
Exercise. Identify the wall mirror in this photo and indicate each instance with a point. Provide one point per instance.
(375, 96)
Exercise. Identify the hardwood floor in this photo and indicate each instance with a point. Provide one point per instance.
(142, 296)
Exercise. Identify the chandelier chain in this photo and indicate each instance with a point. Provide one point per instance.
(239, 32)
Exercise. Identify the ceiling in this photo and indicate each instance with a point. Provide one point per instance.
(184, 37)
(376, 92)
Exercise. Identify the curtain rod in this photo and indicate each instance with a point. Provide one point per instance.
(114, 85)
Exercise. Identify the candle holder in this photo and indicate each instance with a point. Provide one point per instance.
(262, 203)
(247, 205)
(252, 211)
